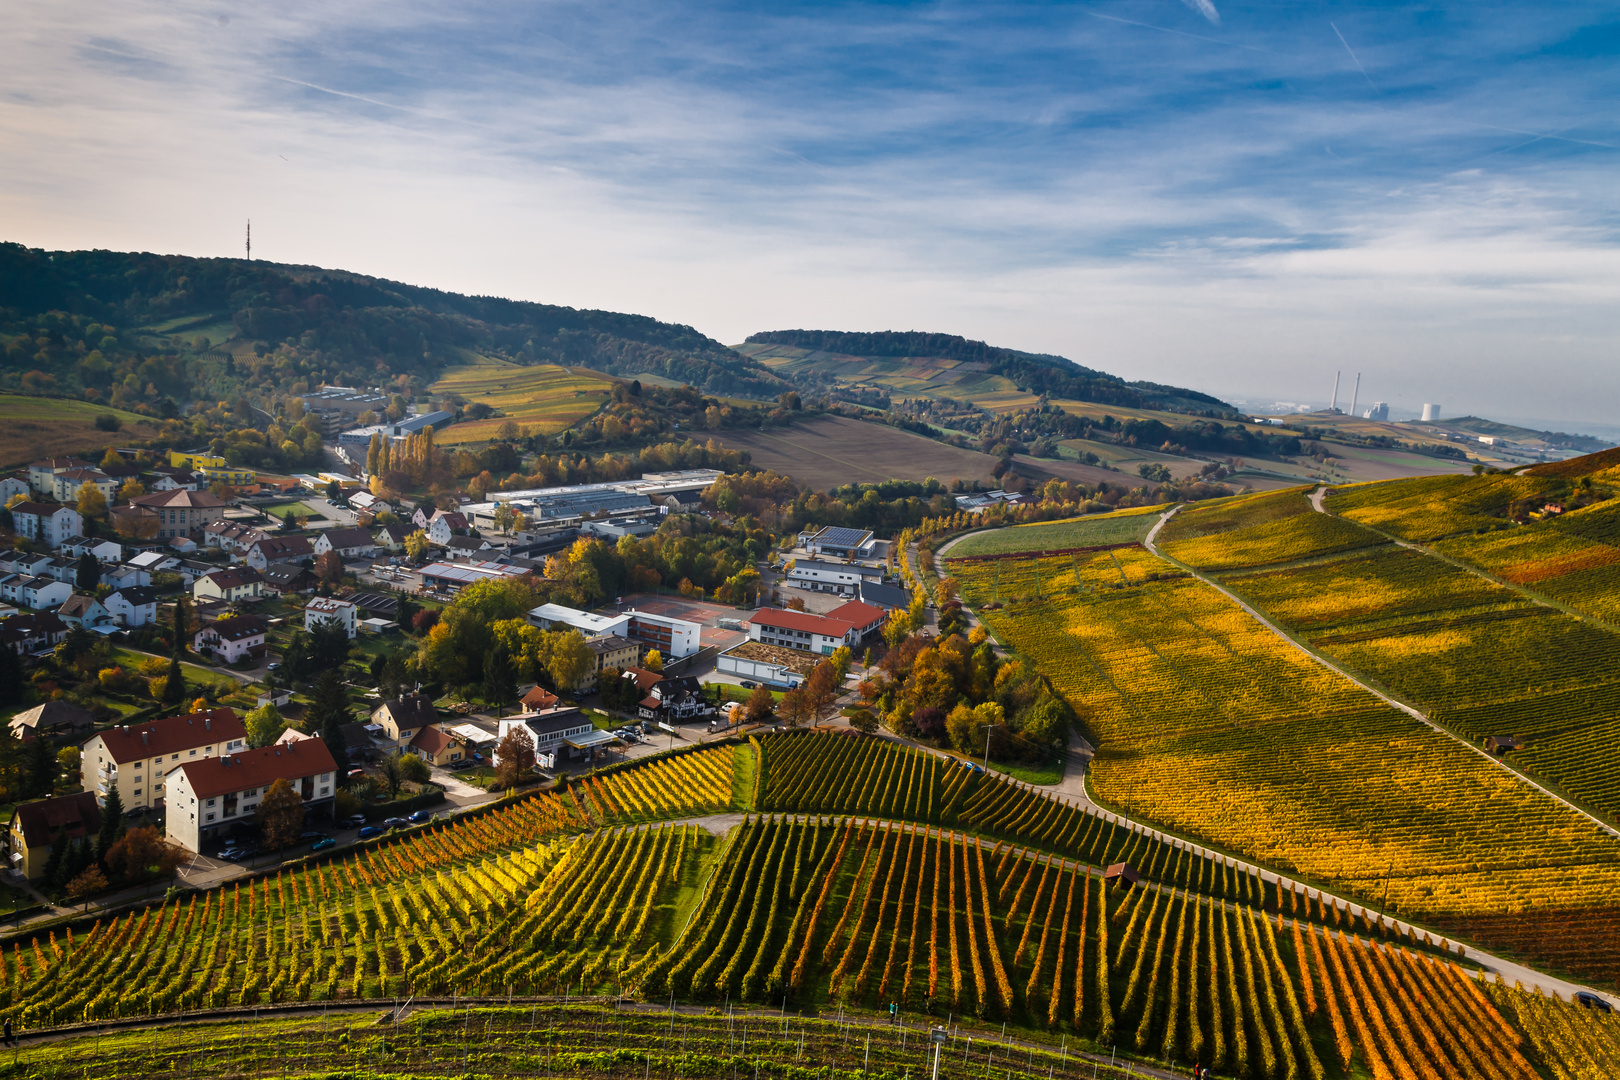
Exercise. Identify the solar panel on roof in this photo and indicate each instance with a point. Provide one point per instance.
(841, 537)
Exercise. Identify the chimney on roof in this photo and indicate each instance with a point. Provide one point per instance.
(126, 729)
(208, 723)
(144, 735)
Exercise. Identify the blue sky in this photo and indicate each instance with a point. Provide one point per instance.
(1237, 197)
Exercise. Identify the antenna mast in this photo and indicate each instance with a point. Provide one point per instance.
(250, 240)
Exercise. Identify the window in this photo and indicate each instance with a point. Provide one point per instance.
(138, 764)
(212, 801)
(193, 754)
(210, 817)
(137, 791)
(174, 757)
(326, 790)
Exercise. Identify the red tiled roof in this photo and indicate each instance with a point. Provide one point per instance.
(172, 734)
(258, 768)
(538, 698)
(802, 621)
(277, 548)
(230, 579)
(433, 741)
(644, 678)
(858, 614)
(77, 813)
(39, 509)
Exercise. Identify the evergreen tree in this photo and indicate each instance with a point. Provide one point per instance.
(42, 767)
(289, 521)
(175, 689)
(405, 611)
(88, 575)
(79, 857)
(328, 712)
(58, 860)
(13, 683)
(182, 624)
(112, 823)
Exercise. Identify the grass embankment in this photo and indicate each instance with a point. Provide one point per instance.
(40, 427)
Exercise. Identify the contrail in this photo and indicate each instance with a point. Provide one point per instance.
(1206, 9)
(1354, 58)
(356, 97)
(1183, 33)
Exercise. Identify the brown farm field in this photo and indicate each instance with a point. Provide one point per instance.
(827, 451)
(542, 397)
(36, 427)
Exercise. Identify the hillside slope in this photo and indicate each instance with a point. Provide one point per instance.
(927, 365)
(175, 327)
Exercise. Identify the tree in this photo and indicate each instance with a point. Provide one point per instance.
(132, 489)
(514, 757)
(821, 688)
(182, 626)
(328, 712)
(174, 684)
(281, 815)
(415, 769)
(416, 546)
(796, 708)
(55, 866)
(13, 683)
(92, 503)
(112, 823)
(500, 681)
(88, 574)
(264, 726)
(42, 765)
(863, 721)
(329, 567)
(393, 773)
(329, 644)
(334, 491)
(140, 850)
(503, 517)
(761, 703)
(403, 610)
(654, 661)
(571, 662)
(86, 885)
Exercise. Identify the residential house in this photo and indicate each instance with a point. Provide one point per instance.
(537, 698)
(85, 611)
(228, 536)
(52, 718)
(466, 546)
(436, 747)
(800, 630)
(179, 513)
(284, 578)
(42, 474)
(124, 574)
(106, 552)
(33, 633)
(35, 826)
(392, 536)
(400, 720)
(261, 553)
(348, 543)
(66, 485)
(183, 545)
(233, 639)
(46, 523)
(612, 652)
(192, 569)
(671, 700)
(327, 609)
(169, 479)
(155, 562)
(137, 758)
(40, 593)
(134, 606)
(212, 794)
(564, 732)
(61, 569)
(237, 583)
(11, 486)
(444, 524)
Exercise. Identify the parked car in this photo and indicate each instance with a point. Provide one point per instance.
(394, 823)
(323, 843)
(354, 821)
(748, 684)
(421, 817)
(1592, 1001)
(311, 834)
(237, 854)
(369, 831)
(457, 766)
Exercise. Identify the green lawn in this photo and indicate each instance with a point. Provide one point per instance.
(1057, 535)
(1042, 775)
(733, 692)
(195, 675)
(280, 510)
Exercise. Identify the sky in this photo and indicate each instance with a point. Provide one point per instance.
(1238, 197)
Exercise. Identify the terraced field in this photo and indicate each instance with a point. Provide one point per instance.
(40, 427)
(543, 397)
(1121, 527)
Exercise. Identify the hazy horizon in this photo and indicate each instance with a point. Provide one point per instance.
(1202, 195)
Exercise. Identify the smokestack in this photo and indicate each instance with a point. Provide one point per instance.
(1355, 394)
(1334, 404)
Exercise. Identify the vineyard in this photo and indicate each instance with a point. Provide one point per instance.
(1432, 633)
(1573, 558)
(1097, 530)
(1211, 724)
(1432, 507)
(1260, 530)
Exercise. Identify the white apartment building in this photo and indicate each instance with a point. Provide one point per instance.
(137, 758)
(215, 793)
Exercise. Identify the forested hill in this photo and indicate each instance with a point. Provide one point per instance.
(165, 316)
(1038, 373)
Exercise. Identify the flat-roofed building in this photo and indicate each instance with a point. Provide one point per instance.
(557, 616)
(673, 638)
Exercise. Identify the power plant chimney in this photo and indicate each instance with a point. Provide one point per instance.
(1355, 394)
(1333, 406)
